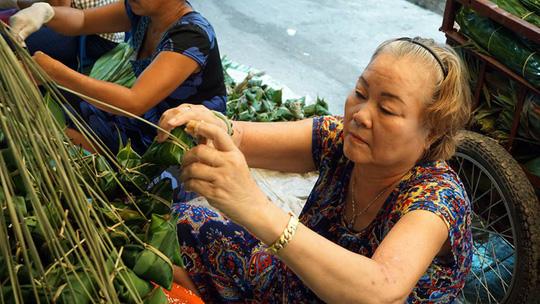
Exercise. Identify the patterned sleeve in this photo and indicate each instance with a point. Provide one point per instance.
(447, 201)
(327, 138)
(189, 40)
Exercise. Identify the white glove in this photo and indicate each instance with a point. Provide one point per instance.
(27, 21)
(7, 4)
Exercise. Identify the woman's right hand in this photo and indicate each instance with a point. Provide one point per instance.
(182, 114)
(29, 20)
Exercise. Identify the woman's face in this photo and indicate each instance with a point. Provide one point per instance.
(383, 114)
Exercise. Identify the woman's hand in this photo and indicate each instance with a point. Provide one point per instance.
(29, 20)
(182, 114)
(218, 171)
(51, 66)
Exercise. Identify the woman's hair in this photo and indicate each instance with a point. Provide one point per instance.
(448, 109)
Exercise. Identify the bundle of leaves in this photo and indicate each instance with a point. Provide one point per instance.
(115, 66)
(502, 44)
(495, 113)
(533, 5)
(521, 9)
(76, 227)
(251, 100)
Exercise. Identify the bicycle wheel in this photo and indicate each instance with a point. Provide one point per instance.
(505, 223)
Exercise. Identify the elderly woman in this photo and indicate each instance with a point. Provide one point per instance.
(176, 60)
(388, 220)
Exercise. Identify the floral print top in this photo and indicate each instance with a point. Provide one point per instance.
(228, 264)
(432, 186)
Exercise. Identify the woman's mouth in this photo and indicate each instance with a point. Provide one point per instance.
(358, 139)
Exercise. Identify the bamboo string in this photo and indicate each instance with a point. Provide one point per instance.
(527, 15)
(490, 37)
(525, 64)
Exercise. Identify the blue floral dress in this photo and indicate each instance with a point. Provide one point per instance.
(228, 264)
(192, 36)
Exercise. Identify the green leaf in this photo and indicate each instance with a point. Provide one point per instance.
(170, 152)
(56, 110)
(157, 297)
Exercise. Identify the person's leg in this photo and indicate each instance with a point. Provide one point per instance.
(181, 277)
(223, 260)
(62, 48)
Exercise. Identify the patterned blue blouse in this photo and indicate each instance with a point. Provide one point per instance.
(228, 264)
(192, 36)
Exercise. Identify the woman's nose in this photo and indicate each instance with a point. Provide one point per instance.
(362, 116)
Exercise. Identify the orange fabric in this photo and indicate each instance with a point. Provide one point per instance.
(181, 295)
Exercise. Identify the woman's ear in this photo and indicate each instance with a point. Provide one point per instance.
(429, 139)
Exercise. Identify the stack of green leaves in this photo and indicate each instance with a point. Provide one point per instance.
(530, 118)
(251, 100)
(516, 8)
(495, 114)
(533, 5)
(502, 44)
(115, 66)
(69, 219)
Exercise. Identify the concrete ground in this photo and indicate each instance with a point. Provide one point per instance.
(315, 47)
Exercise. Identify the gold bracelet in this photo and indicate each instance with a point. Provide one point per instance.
(286, 236)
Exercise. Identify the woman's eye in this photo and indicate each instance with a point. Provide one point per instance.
(360, 95)
(386, 111)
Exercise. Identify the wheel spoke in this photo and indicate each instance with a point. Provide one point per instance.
(485, 287)
(481, 215)
(477, 181)
(495, 233)
(485, 264)
(460, 166)
(493, 230)
(465, 177)
(507, 270)
(491, 206)
(471, 179)
(498, 271)
(477, 198)
(496, 221)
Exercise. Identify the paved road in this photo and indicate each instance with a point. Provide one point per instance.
(315, 47)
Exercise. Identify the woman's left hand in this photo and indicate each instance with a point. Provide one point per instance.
(217, 170)
(51, 66)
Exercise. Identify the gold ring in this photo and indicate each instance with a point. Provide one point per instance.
(188, 108)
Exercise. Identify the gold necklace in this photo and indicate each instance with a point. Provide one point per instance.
(355, 216)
